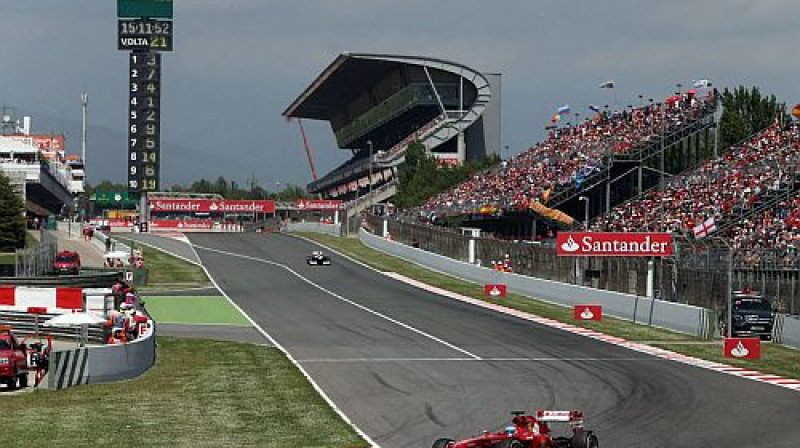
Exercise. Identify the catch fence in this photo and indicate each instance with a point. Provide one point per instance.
(37, 261)
(698, 274)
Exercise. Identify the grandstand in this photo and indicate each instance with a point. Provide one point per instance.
(582, 171)
(378, 104)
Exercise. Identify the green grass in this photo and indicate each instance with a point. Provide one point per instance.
(199, 394)
(166, 270)
(776, 359)
(207, 310)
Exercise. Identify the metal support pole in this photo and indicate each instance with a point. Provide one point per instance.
(84, 108)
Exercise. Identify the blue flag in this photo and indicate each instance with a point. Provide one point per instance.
(563, 110)
(608, 84)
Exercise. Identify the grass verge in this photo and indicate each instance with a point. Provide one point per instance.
(208, 310)
(166, 270)
(776, 359)
(243, 395)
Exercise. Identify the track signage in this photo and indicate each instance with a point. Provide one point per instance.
(612, 244)
(144, 35)
(312, 204)
(587, 312)
(211, 206)
(495, 290)
(743, 348)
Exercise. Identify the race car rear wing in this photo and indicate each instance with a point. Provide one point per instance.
(574, 418)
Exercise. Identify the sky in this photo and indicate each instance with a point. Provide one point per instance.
(237, 64)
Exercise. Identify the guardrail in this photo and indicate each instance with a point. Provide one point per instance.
(316, 227)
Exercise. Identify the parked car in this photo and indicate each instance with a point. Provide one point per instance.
(13, 360)
(67, 262)
(751, 315)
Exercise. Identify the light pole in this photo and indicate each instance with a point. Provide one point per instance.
(369, 143)
(585, 200)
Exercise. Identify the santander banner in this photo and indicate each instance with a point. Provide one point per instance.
(314, 204)
(211, 206)
(613, 244)
(181, 224)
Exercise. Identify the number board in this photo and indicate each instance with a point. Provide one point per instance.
(144, 121)
(144, 35)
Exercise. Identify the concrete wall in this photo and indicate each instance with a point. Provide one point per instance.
(101, 364)
(328, 229)
(789, 330)
(673, 316)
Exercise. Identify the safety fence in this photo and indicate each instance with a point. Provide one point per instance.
(316, 227)
(698, 274)
(38, 260)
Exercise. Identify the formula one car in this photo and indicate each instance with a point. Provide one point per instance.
(529, 431)
(317, 258)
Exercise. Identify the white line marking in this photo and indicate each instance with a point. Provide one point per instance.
(188, 260)
(346, 300)
(368, 360)
(308, 378)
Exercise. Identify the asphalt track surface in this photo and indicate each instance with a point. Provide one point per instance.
(408, 366)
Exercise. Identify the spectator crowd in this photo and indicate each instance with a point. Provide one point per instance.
(726, 189)
(569, 156)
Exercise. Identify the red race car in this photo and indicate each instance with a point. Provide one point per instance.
(532, 431)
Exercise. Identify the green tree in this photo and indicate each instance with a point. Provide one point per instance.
(746, 112)
(12, 216)
(421, 178)
(105, 186)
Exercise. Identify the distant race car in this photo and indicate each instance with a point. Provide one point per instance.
(532, 431)
(317, 258)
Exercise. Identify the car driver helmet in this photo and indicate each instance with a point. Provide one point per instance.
(510, 430)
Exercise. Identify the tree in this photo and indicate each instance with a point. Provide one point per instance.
(746, 112)
(12, 216)
(421, 178)
(105, 186)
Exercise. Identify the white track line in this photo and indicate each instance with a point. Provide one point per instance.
(740, 372)
(299, 367)
(381, 360)
(344, 299)
(188, 260)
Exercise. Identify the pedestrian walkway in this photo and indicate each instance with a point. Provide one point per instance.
(71, 239)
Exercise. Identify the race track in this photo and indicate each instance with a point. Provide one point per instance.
(408, 366)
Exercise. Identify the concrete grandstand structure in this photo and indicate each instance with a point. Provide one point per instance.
(378, 104)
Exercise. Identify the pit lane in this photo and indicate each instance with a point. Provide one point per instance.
(407, 380)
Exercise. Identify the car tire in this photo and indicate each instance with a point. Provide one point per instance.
(443, 443)
(510, 443)
(12, 382)
(584, 439)
(23, 380)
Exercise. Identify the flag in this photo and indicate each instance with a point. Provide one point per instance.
(608, 84)
(705, 228)
(594, 108)
(563, 110)
(701, 83)
(555, 118)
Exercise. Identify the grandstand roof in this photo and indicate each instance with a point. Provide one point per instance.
(344, 79)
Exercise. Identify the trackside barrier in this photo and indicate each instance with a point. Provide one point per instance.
(316, 227)
(46, 300)
(102, 364)
(99, 280)
(682, 318)
(789, 330)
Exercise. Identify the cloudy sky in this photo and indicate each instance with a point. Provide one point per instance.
(238, 63)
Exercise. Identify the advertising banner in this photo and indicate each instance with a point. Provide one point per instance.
(181, 224)
(743, 348)
(495, 290)
(587, 312)
(44, 142)
(612, 244)
(211, 206)
(312, 204)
